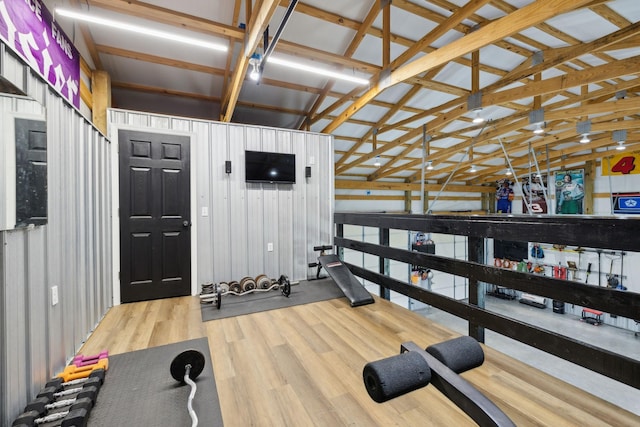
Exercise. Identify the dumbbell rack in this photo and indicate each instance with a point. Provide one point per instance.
(70, 396)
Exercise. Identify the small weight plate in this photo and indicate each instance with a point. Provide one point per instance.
(263, 282)
(223, 286)
(286, 285)
(247, 284)
(219, 300)
(188, 357)
(235, 287)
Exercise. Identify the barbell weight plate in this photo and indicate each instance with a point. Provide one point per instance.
(235, 287)
(285, 284)
(247, 284)
(223, 286)
(179, 364)
(219, 299)
(263, 282)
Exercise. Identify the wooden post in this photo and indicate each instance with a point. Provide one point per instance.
(589, 180)
(101, 89)
(407, 201)
(425, 206)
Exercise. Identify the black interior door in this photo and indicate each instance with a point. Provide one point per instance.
(31, 172)
(155, 241)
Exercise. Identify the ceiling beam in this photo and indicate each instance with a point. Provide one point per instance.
(349, 184)
(555, 84)
(168, 16)
(259, 20)
(519, 20)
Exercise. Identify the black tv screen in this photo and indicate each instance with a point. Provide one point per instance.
(262, 166)
(513, 251)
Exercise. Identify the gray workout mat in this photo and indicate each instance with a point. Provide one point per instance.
(139, 390)
(304, 292)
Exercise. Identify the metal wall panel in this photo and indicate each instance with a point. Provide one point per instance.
(72, 251)
(15, 379)
(200, 218)
(244, 217)
(239, 230)
(218, 201)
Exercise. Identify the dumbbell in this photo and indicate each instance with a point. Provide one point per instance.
(439, 364)
(73, 372)
(185, 368)
(59, 383)
(76, 416)
(81, 360)
(46, 398)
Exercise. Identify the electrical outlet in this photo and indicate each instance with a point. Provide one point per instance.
(269, 247)
(54, 295)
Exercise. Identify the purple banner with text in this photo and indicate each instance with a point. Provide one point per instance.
(27, 27)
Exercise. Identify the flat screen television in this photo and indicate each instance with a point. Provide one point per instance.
(262, 166)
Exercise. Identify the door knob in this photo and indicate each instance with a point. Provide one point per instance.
(186, 223)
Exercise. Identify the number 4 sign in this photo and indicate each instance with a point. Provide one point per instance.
(622, 164)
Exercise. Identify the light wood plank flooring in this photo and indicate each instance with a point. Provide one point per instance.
(302, 366)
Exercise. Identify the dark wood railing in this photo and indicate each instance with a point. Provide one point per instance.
(594, 232)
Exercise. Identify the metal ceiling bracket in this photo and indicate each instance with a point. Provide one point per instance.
(583, 127)
(619, 135)
(537, 58)
(474, 101)
(536, 116)
(385, 78)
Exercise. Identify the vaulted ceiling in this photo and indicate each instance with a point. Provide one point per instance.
(569, 67)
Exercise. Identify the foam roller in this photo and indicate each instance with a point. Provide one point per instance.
(396, 375)
(458, 354)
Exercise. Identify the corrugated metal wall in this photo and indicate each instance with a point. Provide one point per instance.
(242, 218)
(73, 251)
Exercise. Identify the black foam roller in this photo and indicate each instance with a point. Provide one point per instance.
(458, 354)
(396, 375)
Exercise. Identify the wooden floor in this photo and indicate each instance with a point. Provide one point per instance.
(302, 366)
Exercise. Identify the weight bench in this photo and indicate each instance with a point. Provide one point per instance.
(322, 249)
(346, 281)
(592, 316)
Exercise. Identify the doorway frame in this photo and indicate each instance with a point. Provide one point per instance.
(113, 130)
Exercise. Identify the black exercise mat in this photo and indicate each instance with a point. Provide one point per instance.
(139, 390)
(304, 292)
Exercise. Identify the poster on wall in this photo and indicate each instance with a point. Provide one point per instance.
(27, 27)
(533, 195)
(626, 203)
(504, 196)
(622, 164)
(570, 191)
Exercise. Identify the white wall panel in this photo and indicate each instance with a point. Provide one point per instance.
(244, 217)
(220, 203)
(72, 251)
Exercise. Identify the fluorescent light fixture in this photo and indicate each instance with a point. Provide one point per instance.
(585, 138)
(316, 70)
(429, 165)
(478, 118)
(86, 17)
(538, 130)
(376, 163)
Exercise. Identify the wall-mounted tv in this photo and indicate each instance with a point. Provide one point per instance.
(262, 166)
